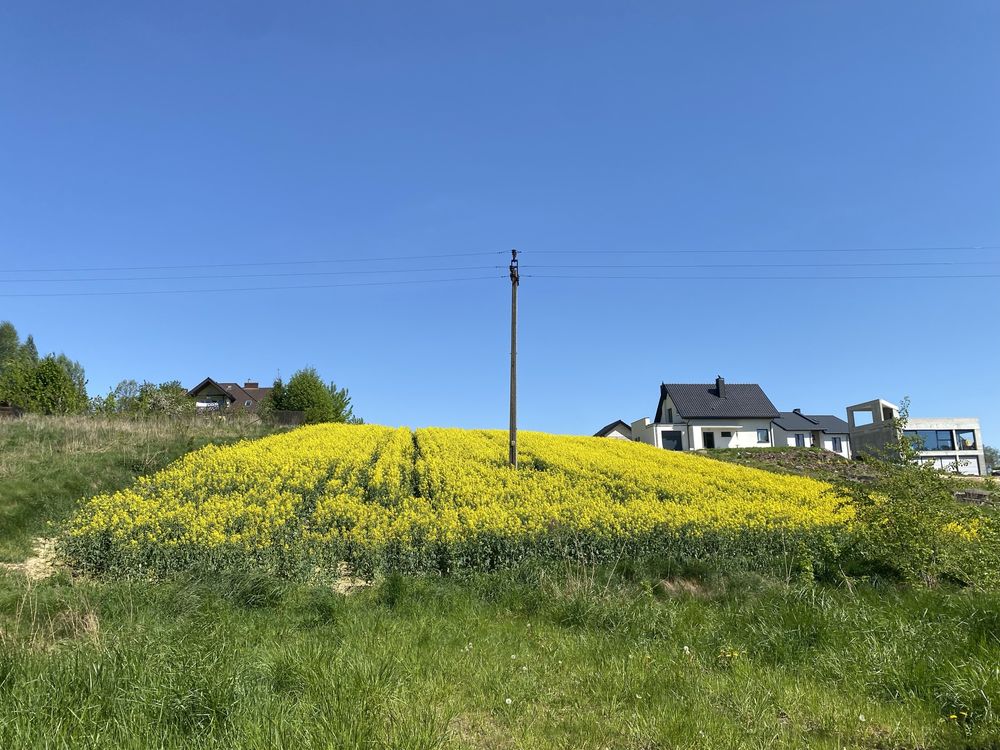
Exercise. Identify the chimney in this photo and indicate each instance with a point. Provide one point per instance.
(720, 386)
(251, 384)
(797, 411)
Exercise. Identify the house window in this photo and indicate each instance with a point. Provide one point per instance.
(670, 416)
(931, 440)
(763, 437)
(248, 402)
(800, 440)
(966, 440)
(709, 439)
(837, 446)
(727, 434)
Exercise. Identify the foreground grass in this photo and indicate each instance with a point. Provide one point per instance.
(566, 659)
(48, 463)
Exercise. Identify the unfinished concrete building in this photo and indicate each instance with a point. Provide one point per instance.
(948, 443)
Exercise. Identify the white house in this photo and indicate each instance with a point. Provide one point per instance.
(795, 429)
(617, 430)
(693, 416)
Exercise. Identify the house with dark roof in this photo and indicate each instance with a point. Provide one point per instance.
(696, 416)
(212, 395)
(793, 428)
(617, 430)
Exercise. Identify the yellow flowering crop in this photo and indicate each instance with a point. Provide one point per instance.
(445, 499)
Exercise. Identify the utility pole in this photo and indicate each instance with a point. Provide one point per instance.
(514, 281)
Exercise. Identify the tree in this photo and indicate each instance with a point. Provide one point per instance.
(29, 352)
(129, 398)
(10, 343)
(992, 457)
(44, 387)
(342, 409)
(306, 392)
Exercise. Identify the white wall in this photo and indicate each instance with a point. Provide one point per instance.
(784, 438)
(845, 443)
(744, 433)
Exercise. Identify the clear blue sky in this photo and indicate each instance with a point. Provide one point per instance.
(138, 134)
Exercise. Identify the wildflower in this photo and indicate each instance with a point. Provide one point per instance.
(508, 701)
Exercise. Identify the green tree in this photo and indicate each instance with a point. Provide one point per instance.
(992, 457)
(129, 398)
(28, 351)
(306, 392)
(10, 343)
(43, 387)
(342, 409)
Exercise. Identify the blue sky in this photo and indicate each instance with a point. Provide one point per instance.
(141, 134)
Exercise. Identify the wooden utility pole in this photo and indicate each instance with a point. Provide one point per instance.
(514, 281)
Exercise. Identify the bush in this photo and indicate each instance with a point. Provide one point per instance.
(306, 392)
(44, 387)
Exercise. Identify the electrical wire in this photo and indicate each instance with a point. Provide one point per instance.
(764, 278)
(251, 263)
(254, 275)
(710, 251)
(246, 289)
(773, 265)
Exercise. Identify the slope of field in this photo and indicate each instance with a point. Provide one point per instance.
(445, 499)
(634, 654)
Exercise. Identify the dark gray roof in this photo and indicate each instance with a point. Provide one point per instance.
(791, 421)
(701, 400)
(617, 424)
(830, 423)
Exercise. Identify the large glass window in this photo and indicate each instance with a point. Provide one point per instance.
(800, 440)
(762, 436)
(966, 440)
(931, 440)
(837, 445)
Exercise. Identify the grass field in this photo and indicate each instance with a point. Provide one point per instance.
(657, 654)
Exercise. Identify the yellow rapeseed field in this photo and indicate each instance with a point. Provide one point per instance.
(444, 499)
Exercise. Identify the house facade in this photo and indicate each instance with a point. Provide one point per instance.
(211, 395)
(617, 430)
(952, 444)
(697, 416)
(798, 430)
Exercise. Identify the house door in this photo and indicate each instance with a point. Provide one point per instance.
(709, 438)
(671, 440)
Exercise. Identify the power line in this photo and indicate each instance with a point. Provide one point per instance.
(248, 289)
(764, 278)
(253, 275)
(250, 263)
(709, 251)
(773, 265)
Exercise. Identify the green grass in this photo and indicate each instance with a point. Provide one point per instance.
(639, 656)
(429, 663)
(47, 464)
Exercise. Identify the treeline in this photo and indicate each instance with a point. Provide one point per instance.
(53, 384)
(56, 384)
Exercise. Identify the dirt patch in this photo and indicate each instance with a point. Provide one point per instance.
(479, 731)
(41, 564)
(346, 583)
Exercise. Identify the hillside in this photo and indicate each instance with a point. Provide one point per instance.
(642, 652)
(385, 499)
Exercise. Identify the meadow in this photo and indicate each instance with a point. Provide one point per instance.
(653, 651)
